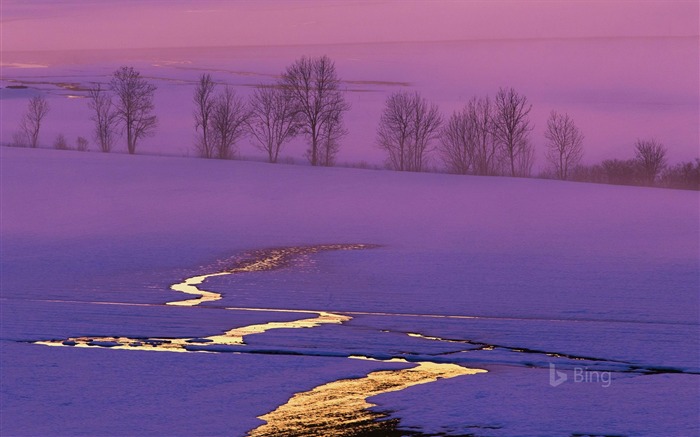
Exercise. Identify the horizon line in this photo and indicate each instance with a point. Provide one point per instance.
(392, 42)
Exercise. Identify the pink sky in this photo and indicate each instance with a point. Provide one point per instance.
(90, 24)
(618, 89)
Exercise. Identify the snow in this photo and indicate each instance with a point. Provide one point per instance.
(517, 281)
(91, 244)
(80, 391)
(511, 401)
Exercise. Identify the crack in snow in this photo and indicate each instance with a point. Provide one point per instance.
(482, 346)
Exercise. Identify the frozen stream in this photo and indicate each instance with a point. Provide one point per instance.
(337, 407)
(340, 407)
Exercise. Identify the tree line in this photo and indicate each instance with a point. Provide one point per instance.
(648, 167)
(487, 136)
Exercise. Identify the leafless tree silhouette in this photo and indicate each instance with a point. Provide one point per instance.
(60, 143)
(104, 116)
(486, 158)
(31, 122)
(204, 100)
(650, 155)
(314, 87)
(565, 147)
(512, 125)
(228, 123)
(134, 106)
(684, 175)
(329, 139)
(81, 144)
(273, 121)
(457, 143)
(408, 126)
(525, 159)
(467, 144)
(19, 139)
(621, 172)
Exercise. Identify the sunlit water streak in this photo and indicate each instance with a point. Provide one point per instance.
(336, 408)
(340, 408)
(262, 260)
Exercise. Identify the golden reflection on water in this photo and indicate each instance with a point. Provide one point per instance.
(149, 344)
(258, 261)
(235, 336)
(340, 408)
(261, 260)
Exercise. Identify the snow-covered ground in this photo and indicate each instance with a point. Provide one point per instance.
(501, 274)
(541, 307)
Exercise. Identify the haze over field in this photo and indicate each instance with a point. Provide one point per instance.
(129, 24)
(623, 70)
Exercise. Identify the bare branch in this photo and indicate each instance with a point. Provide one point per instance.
(31, 122)
(564, 150)
(408, 126)
(467, 144)
(511, 125)
(650, 155)
(104, 116)
(228, 123)
(134, 105)
(274, 119)
(81, 144)
(314, 88)
(204, 106)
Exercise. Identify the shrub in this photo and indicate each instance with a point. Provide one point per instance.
(685, 176)
(81, 144)
(19, 139)
(60, 143)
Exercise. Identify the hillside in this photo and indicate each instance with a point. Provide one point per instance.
(501, 274)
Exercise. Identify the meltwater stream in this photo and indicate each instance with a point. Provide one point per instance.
(335, 408)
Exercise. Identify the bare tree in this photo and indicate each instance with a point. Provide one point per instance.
(204, 100)
(228, 123)
(525, 160)
(19, 139)
(486, 159)
(467, 144)
(31, 122)
(81, 144)
(409, 124)
(329, 141)
(621, 172)
(273, 120)
(104, 116)
(60, 143)
(394, 133)
(565, 147)
(511, 124)
(427, 121)
(314, 87)
(651, 157)
(134, 106)
(684, 175)
(457, 143)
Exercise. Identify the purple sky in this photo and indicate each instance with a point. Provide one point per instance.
(90, 24)
(622, 69)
